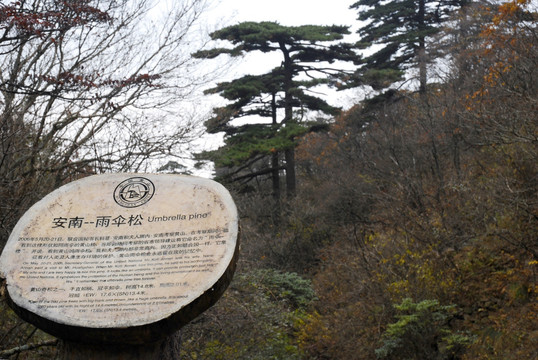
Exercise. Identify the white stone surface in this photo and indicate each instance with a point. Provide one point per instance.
(109, 252)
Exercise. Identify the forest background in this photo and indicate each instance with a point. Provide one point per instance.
(402, 228)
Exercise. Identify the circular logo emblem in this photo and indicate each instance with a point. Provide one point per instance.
(134, 192)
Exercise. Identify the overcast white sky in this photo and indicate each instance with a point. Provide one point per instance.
(287, 12)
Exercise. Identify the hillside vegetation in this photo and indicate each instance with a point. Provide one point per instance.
(416, 221)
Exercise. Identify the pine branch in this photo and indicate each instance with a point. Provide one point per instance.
(257, 173)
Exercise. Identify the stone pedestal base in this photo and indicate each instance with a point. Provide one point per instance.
(167, 349)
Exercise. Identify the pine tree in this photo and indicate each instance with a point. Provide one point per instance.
(304, 49)
(402, 28)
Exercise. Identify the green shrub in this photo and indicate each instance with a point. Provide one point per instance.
(422, 332)
(256, 319)
(284, 286)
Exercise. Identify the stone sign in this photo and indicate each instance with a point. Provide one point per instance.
(128, 254)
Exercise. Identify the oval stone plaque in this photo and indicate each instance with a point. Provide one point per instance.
(122, 257)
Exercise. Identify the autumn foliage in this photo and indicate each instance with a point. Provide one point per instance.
(439, 195)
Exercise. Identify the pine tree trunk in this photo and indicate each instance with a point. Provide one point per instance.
(275, 177)
(290, 172)
(422, 69)
(289, 154)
